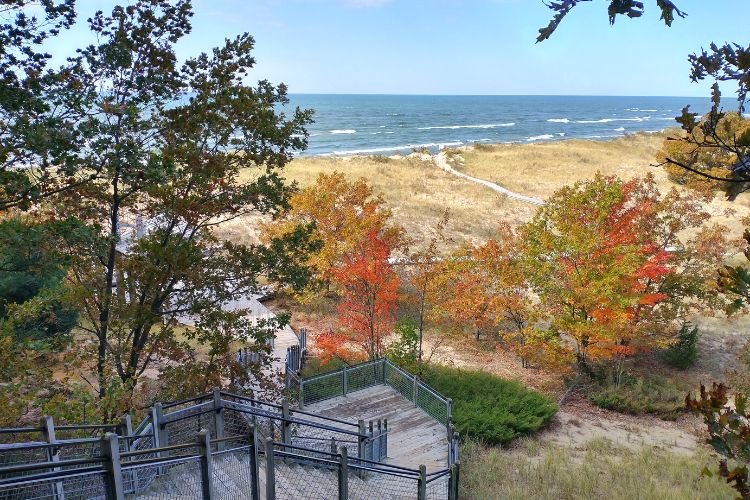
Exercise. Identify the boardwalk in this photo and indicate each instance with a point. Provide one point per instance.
(442, 161)
(413, 436)
(284, 338)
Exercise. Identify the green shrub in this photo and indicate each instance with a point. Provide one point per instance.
(684, 353)
(639, 396)
(487, 407)
(313, 366)
(406, 348)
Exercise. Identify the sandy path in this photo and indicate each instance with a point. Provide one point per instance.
(442, 162)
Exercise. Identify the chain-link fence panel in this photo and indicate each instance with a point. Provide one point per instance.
(231, 474)
(365, 375)
(368, 485)
(401, 381)
(76, 486)
(322, 387)
(183, 426)
(432, 403)
(437, 486)
(175, 478)
(300, 480)
(22, 453)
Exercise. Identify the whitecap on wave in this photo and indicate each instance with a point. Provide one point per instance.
(558, 120)
(540, 137)
(397, 148)
(346, 131)
(454, 127)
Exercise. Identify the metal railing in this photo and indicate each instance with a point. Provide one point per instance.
(349, 379)
(382, 371)
(209, 469)
(165, 432)
(308, 452)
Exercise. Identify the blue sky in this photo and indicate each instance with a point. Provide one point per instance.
(458, 46)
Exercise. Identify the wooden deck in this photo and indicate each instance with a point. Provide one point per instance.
(414, 438)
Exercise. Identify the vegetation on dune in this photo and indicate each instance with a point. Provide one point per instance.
(602, 469)
(487, 407)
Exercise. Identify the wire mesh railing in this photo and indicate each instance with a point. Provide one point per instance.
(381, 371)
(74, 485)
(198, 470)
(162, 458)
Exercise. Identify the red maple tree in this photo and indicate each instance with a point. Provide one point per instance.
(367, 311)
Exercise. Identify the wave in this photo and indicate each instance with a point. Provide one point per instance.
(609, 120)
(540, 137)
(619, 129)
(454, 127)
(347, 131)
(645, 110)
(397, 148)
(558, 120)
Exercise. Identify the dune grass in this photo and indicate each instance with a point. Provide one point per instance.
(540, 169)
(533, 469)
(418, 193)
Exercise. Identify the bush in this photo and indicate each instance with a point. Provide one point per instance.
(639, 396)
(487, 407)
(684, 353)
(405, 349)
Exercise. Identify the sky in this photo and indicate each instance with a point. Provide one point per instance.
(457, 46)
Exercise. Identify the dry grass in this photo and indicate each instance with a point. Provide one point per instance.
(601, 469)
(542, 168)
(417, 192)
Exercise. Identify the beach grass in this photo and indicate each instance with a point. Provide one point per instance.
(601, 469)
(418, 192)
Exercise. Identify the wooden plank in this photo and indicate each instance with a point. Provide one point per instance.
(414, 437)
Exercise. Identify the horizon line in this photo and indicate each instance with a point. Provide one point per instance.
(488, 95)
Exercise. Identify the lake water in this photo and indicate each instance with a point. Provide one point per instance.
(387, 124)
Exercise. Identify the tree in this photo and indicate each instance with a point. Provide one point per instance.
(33, 302)
(170, 146)
(484, 286)
(43, 126)
(423, 272)
(342, 212)
(629, 8)
(712, 136)
(729, 429)
(367, 311)
(611, 273)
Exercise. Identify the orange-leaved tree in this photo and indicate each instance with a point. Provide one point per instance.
(343, 212)
(612, 274)
(367, 311)
(424, 271)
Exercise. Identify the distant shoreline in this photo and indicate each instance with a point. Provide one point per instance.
(437, 147)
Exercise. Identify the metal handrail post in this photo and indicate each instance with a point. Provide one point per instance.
(270, 473)
(204, 441)
(343, 474)
(47, 426)
(219, 418)
(112, 469)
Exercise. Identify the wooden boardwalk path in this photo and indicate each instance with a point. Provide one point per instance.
(414, 437)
